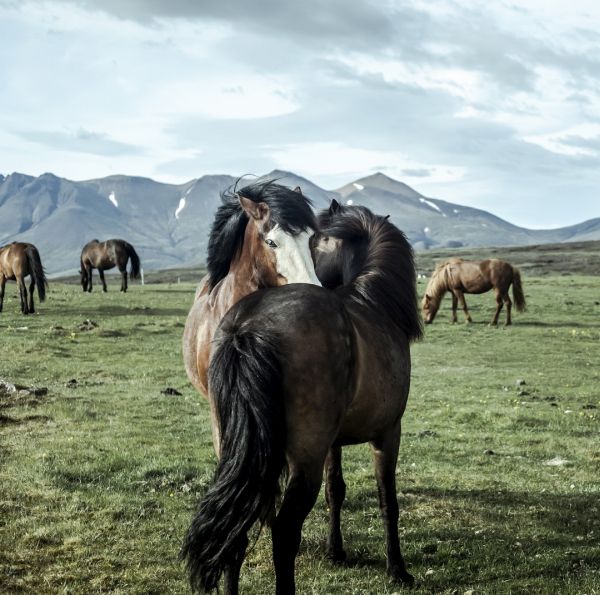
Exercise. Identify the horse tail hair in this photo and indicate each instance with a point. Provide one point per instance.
(245, 383)
(36, 270)
(518, 295)
(135, 261)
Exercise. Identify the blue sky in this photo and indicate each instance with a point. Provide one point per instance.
(493, 105)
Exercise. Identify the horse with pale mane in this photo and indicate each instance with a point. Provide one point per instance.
(460, 276)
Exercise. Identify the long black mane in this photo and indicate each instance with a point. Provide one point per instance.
(289, 209)
(376, 265)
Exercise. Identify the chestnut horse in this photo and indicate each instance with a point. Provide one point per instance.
(473, 276)
(107, 255)
(299, 371)
(259, 238)
(17, 260)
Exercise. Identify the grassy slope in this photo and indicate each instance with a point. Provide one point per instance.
(97, 482)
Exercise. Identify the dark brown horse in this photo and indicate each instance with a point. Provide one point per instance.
(297, 372)
(473, 276)
(107, 255)
(259, 238)
(17, 260)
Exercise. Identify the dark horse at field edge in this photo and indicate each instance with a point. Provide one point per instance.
(17, 260)
(473, 276)
(298, 372)
(107, 255)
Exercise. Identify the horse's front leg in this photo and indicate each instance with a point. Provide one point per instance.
(335, 492)
(385, 454)
(89, 286)
(463, 304)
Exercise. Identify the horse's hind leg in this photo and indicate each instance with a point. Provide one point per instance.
(23, 295)
(232, 572)
(385, 454)
(498, 308)
(335, 492)
(31, 290)
(300, 496)
(124, 281)
(101, 273)
(508, 303)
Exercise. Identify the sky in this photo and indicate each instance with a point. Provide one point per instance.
(494, 105)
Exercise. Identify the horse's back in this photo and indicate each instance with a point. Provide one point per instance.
(313, 332)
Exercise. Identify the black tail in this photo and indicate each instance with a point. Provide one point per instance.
(245, 384)
(135, 261)
(518, 295)
(36, 270)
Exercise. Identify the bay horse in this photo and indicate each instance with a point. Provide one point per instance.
(259, 238)
(17, 260)
(473, 276)
(107, 255)
(298, 372)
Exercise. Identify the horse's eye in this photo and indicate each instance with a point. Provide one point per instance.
(270, 243)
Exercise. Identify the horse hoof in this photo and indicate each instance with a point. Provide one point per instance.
(403, 576)
(337, 556)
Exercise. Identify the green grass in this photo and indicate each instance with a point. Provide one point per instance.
(98, 481)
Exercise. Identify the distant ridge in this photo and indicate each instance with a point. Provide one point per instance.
(169, 223)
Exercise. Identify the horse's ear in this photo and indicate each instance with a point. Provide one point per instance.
(427, 298)
(334, 207)
(298, 190)
(256, 210)
(386, 217)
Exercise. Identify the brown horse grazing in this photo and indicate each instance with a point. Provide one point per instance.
(298, 371)
(17, 260)
(107, 255)
(259, 238)
(473, 276)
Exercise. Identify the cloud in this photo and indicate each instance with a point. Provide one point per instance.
(80, 141)
(487, 104)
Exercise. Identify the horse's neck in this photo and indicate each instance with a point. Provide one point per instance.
(236, 285)
(440, 288)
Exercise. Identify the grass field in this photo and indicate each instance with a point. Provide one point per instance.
(498, 475)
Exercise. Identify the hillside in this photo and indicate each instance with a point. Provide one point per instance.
(169, 223)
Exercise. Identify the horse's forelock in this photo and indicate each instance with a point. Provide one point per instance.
(386, 278)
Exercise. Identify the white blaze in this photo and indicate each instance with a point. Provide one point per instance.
(113, 199)
(358, 186)
(294, 261)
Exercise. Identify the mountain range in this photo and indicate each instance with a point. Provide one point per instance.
(169, 223)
